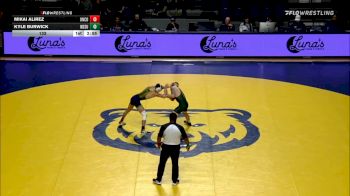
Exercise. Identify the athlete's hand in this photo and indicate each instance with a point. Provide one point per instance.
(159, 145)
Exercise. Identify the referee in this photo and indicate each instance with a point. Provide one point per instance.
(172, 134)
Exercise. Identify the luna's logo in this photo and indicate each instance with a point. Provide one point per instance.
(39, 43)
(123, 44)
(209, 44)
(226, 129)
(296, 44)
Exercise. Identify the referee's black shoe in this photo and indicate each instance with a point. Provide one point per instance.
(155, 181)
(176, 183)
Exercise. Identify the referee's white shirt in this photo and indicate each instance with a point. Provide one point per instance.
(172, 133)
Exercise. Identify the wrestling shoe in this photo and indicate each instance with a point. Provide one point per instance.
(187, 123)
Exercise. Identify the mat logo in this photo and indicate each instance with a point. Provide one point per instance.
(230, 129)
(40, 43)
(296, 44)
(210, 44)
(125, 43)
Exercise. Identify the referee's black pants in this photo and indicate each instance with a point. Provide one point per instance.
(173, 151)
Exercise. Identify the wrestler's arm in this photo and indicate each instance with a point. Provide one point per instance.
(156, 94)
(165, 95)
(172, 95)
(165, 90)
(161, 95)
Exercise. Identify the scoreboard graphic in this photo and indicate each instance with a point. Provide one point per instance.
(56, 23)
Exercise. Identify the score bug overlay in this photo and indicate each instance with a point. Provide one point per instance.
(56, 23)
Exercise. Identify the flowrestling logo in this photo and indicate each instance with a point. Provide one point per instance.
(40, 43)
(210, 44)
(296, 44)
(234, 130)
(126, 43)
(309, 12)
